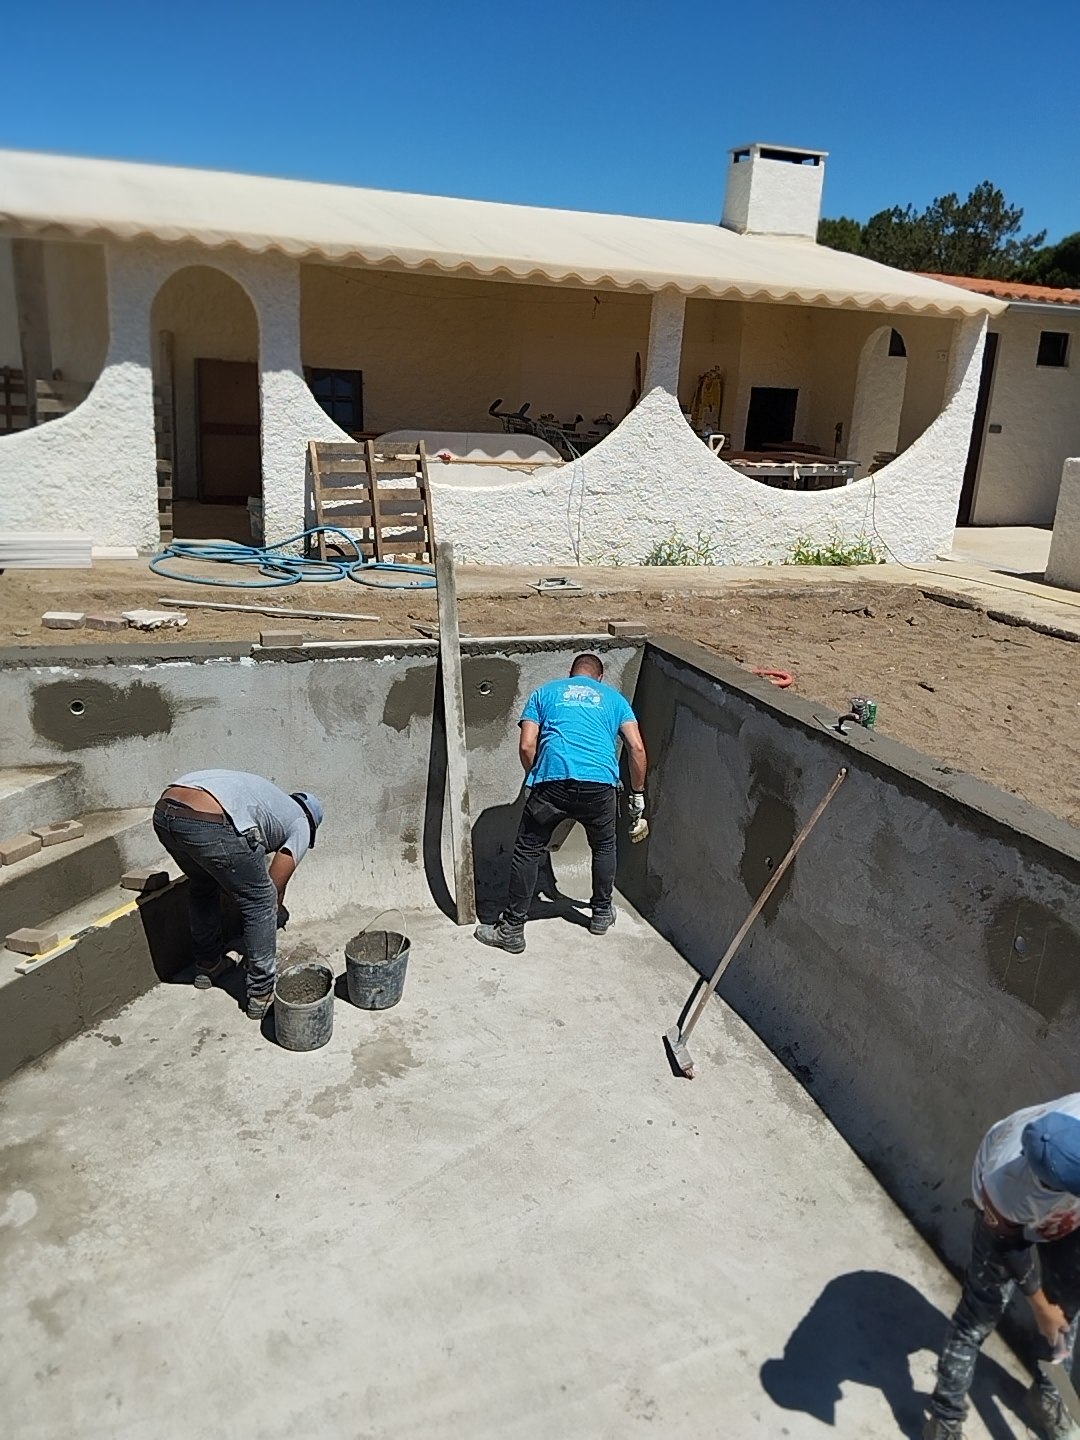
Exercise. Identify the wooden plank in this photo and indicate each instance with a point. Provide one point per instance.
(377, 527)
(314, 461)
(457, 762)
(32, 310)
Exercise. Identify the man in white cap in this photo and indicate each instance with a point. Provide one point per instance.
(222, 827)
(1026, 1185)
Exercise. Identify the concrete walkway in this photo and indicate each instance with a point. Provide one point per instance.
(489, 1214)
(1015, 549)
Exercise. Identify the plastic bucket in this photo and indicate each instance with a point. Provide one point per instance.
(304, 1006)
(375, 964)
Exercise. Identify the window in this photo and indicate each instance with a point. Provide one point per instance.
(340, 393)
(897, 348)
(1053, 348)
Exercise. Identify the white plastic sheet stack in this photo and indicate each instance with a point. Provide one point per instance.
(44, 550)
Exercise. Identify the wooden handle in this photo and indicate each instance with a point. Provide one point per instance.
(759, 905)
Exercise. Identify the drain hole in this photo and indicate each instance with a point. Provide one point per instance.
(77, 707)
(484, 687)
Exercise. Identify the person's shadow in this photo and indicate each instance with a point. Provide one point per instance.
(864, 1327)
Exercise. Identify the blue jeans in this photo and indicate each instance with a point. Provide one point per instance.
(215, 858)
(988, 1288)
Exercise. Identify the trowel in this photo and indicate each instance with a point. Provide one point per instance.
(1057, 1373)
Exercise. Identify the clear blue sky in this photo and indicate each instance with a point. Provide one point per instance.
(596, 105)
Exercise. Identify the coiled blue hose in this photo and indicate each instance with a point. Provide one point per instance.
(278, 568)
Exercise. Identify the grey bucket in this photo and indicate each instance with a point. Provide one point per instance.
(375, 963)
(304, 1006)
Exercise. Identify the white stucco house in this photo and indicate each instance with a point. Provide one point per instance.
(1027, 416)
(263, 313)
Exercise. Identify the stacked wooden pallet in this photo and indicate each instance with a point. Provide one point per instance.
(53, 398)
(378, 492)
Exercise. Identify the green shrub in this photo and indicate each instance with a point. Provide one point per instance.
(836, 550)
(676, 549)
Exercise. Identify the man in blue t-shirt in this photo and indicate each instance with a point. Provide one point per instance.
(569, 748)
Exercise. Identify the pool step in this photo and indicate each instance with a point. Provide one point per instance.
(32, 795)
(60, 877)
(115, 945)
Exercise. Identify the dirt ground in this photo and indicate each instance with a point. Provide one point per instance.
(995, 700)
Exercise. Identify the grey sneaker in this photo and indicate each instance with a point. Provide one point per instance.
(1046, 1411)
(258, 1005)
(205, 978)
(503, 935)
(936, 1429)
(601, 920)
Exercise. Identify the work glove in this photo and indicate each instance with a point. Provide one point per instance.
(639, 826)
(636, 804)
(282, 917)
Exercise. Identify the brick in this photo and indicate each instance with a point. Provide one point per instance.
(149, 878)
(628, 629)
(63, 619)
(58, 833)
(31, 942)
(19, 847)
(281, 639)
(106, 622)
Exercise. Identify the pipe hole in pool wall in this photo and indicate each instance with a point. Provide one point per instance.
(77, 708)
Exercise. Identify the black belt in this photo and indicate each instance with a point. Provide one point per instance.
(190, 812)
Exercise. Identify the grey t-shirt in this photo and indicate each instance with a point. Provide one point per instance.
(249, 801)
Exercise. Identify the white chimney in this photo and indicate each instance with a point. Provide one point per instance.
(774, 190)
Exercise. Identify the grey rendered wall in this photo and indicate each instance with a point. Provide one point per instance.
(885, 971)
(355, 726)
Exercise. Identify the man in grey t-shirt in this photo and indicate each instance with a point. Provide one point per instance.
(221, 827)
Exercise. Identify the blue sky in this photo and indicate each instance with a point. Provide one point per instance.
(624, 107)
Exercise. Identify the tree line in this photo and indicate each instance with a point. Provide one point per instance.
(979, 236)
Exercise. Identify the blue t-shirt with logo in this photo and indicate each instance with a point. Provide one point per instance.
(579, 720)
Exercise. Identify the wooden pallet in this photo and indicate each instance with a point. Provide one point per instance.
(53, 399)
(165, 434)
(378, 491)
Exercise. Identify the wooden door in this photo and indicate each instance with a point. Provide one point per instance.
(227, 410)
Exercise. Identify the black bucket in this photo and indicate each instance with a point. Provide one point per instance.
(375, 963)
(304, 1006)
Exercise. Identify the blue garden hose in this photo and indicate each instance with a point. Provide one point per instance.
(278, 568)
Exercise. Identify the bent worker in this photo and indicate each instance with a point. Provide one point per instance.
(1026, 1185)
(568, 747)
(220, 826)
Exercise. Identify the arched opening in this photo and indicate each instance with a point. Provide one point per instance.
(879, 400)
(54, 329)
(205, 343)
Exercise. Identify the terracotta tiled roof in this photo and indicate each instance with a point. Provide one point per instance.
(1011, 290)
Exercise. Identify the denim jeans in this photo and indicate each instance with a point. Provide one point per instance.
(547, 806)
(988, 1288)
(215, 858)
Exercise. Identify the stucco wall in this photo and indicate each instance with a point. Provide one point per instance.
(885, 973)
(210, 317)
(1063, 562)
(78, 309)
(653, 475)
(1038, 409)
(435, 352)
(879, 399)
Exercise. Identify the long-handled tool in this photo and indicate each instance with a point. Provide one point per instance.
(678, 1035)
(1057, 1372)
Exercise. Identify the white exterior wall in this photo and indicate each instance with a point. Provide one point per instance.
(879, 400)
(1063, 562)
(94, 471)
(1038, 409)
(653, 475)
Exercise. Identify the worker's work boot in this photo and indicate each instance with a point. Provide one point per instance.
(503, 935)
(937, 1429)
(258, 1005)
(1046, 1411)
(602, 919)
(205, 978)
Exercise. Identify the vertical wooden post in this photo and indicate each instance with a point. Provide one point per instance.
(457, 763)
(32, 308)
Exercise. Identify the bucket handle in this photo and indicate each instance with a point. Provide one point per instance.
(390, 910)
